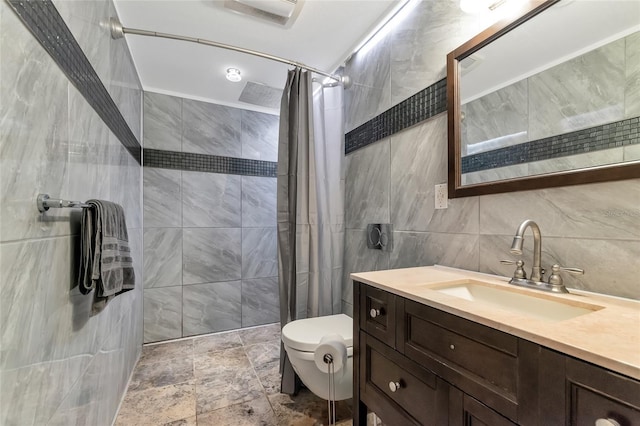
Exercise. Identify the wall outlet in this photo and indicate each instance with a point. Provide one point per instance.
(441, 196)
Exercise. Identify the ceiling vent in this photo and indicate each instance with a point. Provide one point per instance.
(280, 12)
(261, 95)
(471, 62)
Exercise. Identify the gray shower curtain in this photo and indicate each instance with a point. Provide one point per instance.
(310, 204)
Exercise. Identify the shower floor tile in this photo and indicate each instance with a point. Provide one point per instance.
(256, 412)
(166, 351)
(157, 406)
(267, 333)
(191, 421)
(216, 342)
(307, 409)
(225, 379)
(161, 373)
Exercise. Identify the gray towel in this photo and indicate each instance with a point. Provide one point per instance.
(107, 267)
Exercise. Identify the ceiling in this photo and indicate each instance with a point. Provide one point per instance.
(322, 36)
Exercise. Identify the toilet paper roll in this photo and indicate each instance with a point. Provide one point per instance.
(334, 345)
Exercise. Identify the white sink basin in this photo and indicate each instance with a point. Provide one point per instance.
(516, 300)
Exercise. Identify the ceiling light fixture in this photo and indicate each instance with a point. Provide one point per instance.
(234, 74)
(474, 7)
(396, 15)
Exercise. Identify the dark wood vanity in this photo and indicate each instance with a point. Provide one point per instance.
(417, 365)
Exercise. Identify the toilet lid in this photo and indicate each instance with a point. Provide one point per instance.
(305, 334)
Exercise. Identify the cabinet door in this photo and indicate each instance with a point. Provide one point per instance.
(598, 394)
(465, 410)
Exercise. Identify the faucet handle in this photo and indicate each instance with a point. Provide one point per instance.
(519, 272)
(556, 280)
(575, 271)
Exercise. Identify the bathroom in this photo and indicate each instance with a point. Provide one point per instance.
(61, 365)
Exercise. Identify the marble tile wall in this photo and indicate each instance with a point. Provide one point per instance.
(210, 238)
(402, 63)
(591, 226)
(58, 364)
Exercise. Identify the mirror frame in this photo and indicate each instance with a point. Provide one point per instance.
(580, 176)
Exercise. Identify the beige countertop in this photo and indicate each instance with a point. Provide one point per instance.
(609, 336)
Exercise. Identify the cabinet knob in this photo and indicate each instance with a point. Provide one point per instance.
(452, 347)
(607, 422)
(394, 386)
(375, 312)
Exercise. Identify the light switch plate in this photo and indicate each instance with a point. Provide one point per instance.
(441, 196)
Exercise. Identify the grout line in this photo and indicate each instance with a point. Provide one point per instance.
(195, 382)
(180, 339)
(182, 245)
(241, 247)
(126, 390)
(264, 390)
(43, 238)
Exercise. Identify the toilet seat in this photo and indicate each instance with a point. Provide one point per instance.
(304, 335)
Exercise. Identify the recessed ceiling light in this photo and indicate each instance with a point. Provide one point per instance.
(234, 74)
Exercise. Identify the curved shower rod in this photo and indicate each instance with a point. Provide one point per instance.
(118, 31)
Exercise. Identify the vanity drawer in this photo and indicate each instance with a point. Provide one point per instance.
(378, 314)
(479, 360)
(595, 393)
(393, 383)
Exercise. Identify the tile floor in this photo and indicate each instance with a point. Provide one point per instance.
(227, 378)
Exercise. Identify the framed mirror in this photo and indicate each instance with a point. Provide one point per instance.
(549, 98)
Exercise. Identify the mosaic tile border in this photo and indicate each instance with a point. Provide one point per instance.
(419, 107)
(613, 135)
(187, 161)
(47, 26)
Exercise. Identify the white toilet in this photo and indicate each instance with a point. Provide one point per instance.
(302, 337)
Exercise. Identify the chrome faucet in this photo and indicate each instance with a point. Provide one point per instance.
(516, 247)
(555, 284)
